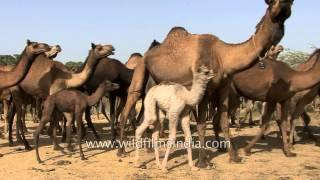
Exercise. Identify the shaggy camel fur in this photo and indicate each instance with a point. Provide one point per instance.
(173, 99)
(178, 57)
(72, 103)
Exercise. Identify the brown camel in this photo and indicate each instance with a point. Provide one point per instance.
(72, 103)
(275, 83)
(177, 58)
(301, 99)
(17, 74)
(234, 97)
(27, 99)
(46, 77)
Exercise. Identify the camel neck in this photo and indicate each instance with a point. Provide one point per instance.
(300, 80)
(12, 78)
(240, 56)
(97, 95)
(78, 79)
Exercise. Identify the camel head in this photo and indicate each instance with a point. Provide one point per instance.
(279, 10)
(35, 48)
(109, 86)
(274, 52)
(102, 51)
(53, 52)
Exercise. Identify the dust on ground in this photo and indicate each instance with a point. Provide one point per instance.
(267, 161)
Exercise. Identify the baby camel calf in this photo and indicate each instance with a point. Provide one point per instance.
(71, 103)
(174, 100)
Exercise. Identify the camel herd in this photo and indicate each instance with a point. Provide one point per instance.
(186, 74)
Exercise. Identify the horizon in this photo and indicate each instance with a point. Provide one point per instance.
(131, 26)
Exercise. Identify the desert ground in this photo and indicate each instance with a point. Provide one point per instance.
(266, 162)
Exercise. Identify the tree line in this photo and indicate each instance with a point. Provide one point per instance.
(291, 57)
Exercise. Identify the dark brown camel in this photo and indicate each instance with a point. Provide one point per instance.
(181, 53)
(275, 83)
(234, 97)
(47, 77)
(301, 99)
(72, 103)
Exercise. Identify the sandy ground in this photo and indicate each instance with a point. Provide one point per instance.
(267, 162)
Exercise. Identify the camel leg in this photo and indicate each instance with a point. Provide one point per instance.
(223, 109)
(48, 110)
(90, 124)
(284, 130)
(11, 114)
(201, 128)
(173, 122)
(69, 118)
(267, 114)
(155, 142)
(103, 111)
(139, 132)
(112, 102)
(306, 119)
(78, 118)
(20, 119)
(185, 123)
(5, 114)
(139, 80)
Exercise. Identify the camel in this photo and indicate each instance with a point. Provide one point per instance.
(17, 74)
(72, 103)
(173, 99)
(275, 83)
(47, 77)
(301, 99)
(117, 73)
(177, 58)
(234, 97)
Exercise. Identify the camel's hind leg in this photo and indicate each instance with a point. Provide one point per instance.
(78, 118)
(47, 112)
(267, 113)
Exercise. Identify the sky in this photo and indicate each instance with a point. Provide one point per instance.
(130, 26)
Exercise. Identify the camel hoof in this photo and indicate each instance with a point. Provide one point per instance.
(150, 150)
(28, 148)
(164, 170)
(247, 152)
(40, 161)
(205, 165)
(11, 144)
(57, 148)
(222, 149)
(194, 168)
(290, 154)
(236, 160)
(84, 158)
(122, 154)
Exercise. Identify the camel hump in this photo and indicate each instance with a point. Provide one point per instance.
(135, 55)
(176, 33)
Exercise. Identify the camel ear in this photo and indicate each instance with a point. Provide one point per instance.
(28, 42)
(93, 45)
(269, 1)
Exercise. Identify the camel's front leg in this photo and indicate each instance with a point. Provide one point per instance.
(134, 92)
(224, 123)
(173, 122)
(185, 123)
(284, 130)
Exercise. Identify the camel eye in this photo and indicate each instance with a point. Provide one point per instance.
(35, 46)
